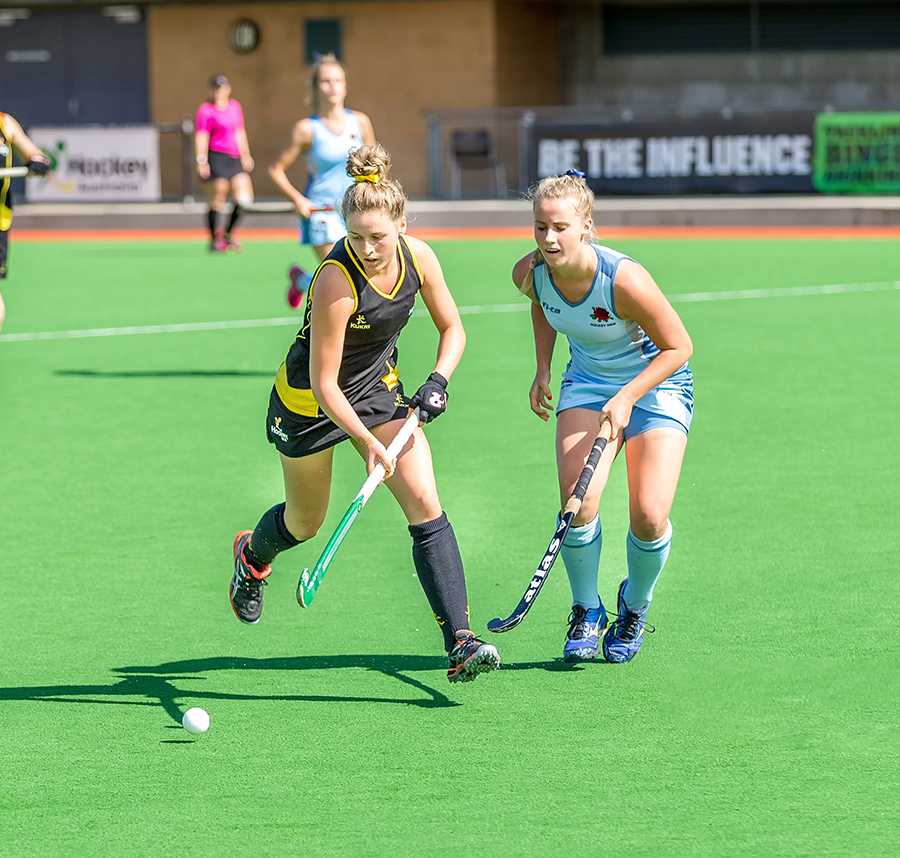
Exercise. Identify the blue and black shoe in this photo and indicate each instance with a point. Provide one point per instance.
(625, 636)
(586, 627)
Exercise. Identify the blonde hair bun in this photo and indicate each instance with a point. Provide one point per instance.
(373, 188)
(367, 162)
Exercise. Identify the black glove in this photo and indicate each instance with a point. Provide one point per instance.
(431, 398)
(39, 166)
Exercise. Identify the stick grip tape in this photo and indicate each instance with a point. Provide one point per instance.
(587, 473)
(584, 479)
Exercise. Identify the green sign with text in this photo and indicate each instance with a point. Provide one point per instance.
(857, 153)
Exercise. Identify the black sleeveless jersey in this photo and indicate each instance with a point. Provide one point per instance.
(370, 340)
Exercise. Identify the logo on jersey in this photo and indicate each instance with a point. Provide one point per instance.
(360, 323)
(601, 318)
(550, 309)
(277, 431)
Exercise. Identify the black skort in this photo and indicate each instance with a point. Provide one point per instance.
(296, 436)
(222, 166)
(4, 251)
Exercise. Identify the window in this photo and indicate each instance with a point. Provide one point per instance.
(750, 26)
(829, 26)
(679, 29)
(321, 36)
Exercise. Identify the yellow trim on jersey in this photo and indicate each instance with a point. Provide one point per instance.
(296, 399)
(362, 271)
(392, 379)
(6, 215)
(415, 261)
(309, 297)
(346, 274)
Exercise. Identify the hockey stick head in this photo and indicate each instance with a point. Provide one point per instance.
(564, 522)
(499, 625)
(306, 590)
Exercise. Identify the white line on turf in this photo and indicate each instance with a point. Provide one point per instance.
(178, 328)
(474, 310)
(786, 292)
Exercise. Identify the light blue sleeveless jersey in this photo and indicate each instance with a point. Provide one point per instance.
(606, 351)
(326, 161)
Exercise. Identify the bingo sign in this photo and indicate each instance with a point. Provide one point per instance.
(97, 165)
(766, 154)
(858, 153)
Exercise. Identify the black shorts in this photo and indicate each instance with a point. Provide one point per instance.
(4, 250)
(296, 436)
(222, 166)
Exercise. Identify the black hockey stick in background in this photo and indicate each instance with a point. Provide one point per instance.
(570, 510)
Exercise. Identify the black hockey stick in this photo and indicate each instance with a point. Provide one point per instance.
(573, 504)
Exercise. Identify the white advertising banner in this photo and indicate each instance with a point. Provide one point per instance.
(97, 165)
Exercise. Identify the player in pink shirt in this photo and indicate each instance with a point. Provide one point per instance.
(223, 156)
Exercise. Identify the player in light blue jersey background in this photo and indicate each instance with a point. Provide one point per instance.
(628, 366)
(326, 138)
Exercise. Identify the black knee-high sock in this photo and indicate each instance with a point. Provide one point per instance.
(215, 220)
(440, 570)
(270, 537)
(233, 218)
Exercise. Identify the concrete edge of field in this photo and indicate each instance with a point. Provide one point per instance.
(810, 210)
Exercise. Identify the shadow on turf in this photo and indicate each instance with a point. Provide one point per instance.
(166, 373)
(161, 691)
(155, 683)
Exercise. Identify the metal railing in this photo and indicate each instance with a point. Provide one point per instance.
(176, 147)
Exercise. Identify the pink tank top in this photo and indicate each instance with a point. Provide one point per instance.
(221, 125)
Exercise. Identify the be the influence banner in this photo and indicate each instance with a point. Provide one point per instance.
(768, 154)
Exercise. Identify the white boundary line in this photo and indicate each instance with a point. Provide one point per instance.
(474, 310)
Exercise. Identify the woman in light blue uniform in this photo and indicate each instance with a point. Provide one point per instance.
(326, 137)
(628, 366)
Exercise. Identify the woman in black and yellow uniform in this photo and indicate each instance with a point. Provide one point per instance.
(12, 137)
(340, 381)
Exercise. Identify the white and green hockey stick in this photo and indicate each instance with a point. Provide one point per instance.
(310, 579)
(13, 172)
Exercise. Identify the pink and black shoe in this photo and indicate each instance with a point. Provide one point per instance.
(245, 593)
(296, 292)
(471, 656)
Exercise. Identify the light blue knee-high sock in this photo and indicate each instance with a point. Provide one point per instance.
(581, 554)
(645, 564)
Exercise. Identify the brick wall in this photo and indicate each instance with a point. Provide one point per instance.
(402, 58)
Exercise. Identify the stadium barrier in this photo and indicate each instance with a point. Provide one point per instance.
(720, 153)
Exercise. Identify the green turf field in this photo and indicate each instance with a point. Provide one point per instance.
(761, 718)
